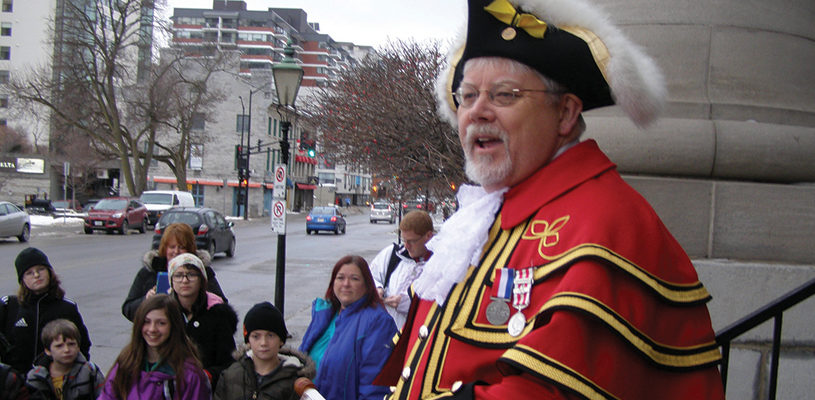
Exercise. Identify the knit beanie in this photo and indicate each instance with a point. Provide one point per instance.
(267, 317)
(190, 260)
(28, 258)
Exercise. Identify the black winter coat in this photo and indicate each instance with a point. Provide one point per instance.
(239, 381)
(212, 330)
(145, 280)
(23, 329)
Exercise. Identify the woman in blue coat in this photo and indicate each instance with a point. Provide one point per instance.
(350, 335)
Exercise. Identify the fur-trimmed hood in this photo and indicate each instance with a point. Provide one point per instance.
(288, 357)
(147, 259)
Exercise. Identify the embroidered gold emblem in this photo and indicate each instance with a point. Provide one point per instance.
(548, 234)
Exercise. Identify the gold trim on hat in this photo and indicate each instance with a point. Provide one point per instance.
(454, 60)
(598, 49)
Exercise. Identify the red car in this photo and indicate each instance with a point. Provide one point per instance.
(116, 214)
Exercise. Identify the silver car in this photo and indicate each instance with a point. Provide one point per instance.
(14, 222)
(381, 211)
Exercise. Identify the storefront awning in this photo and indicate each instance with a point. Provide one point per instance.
(304, 186)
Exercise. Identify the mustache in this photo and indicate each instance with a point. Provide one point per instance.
(485, 129)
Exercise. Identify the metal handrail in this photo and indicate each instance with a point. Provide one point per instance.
(775, 310)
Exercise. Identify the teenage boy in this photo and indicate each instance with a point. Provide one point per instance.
(266, 370)
(64, 373)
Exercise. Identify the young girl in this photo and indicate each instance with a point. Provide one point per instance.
(160, 362)
(39, 300)
(178, 238)
(209, 322)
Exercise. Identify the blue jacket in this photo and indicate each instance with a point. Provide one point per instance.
(362, 341)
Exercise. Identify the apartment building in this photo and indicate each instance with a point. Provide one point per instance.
(260, 38)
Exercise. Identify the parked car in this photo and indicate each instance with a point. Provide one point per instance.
(159, 201)
(325, 219)
(382, 211)
(117, 214)
(212, 231)
(39, 207)
(67, 208)
(14, 222)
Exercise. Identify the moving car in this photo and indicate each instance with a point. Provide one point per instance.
(213, 232)
(325, 219)
(411, 205)
(159, 201)
(116, 214)
(14, 222)
(382, 211)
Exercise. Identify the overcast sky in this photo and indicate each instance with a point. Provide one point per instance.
(367, 22)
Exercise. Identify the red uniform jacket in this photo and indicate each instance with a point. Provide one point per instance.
(616, 309)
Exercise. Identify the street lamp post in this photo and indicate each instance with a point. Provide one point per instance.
(287, 77)
(241, 167)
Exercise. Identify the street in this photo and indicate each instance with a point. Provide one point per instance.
(96, 271)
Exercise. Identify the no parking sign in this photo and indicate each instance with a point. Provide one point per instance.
(279, 216)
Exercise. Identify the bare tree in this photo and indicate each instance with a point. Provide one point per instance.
(382, 113)
(97, 49)
(105, 88)
(180, 97)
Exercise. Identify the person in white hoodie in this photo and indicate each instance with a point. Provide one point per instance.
(396, 266)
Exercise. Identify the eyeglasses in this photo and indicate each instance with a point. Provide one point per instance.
(500, 95)
(192, 277)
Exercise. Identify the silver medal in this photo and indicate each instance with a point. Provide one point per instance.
(497, 312)
(516, 324)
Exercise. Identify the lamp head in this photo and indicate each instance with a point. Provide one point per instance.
(287, 77)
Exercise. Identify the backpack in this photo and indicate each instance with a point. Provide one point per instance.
(392, 263)
(10, 315)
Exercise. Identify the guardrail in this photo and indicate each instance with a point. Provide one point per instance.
(775, 310)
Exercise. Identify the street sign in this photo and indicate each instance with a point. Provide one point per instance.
(279, 216)
(279, 182)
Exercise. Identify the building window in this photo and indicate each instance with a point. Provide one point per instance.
(4, 77)
(3, 122)
(197, 191)
(198, 122)
(273, 131)
(4, 101)
(241, 123)
(5, 53)
(196, 157)
(5, 29)
(7, 5)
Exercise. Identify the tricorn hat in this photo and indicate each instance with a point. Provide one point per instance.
(568, 41)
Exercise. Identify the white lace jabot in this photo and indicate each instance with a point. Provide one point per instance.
(459, 242)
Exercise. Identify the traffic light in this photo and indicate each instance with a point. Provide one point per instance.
(309, 147)
(241, 157)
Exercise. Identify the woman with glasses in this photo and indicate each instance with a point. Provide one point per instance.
(177, 238)
(210, 323)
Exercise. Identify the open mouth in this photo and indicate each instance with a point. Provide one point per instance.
(486, 142)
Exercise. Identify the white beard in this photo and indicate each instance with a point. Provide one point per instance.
(480, 168)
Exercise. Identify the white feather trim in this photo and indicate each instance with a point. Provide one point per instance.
(636, 82)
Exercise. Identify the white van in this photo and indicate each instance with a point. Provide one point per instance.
(157, 201)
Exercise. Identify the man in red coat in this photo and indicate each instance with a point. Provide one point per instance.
(555, 279)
